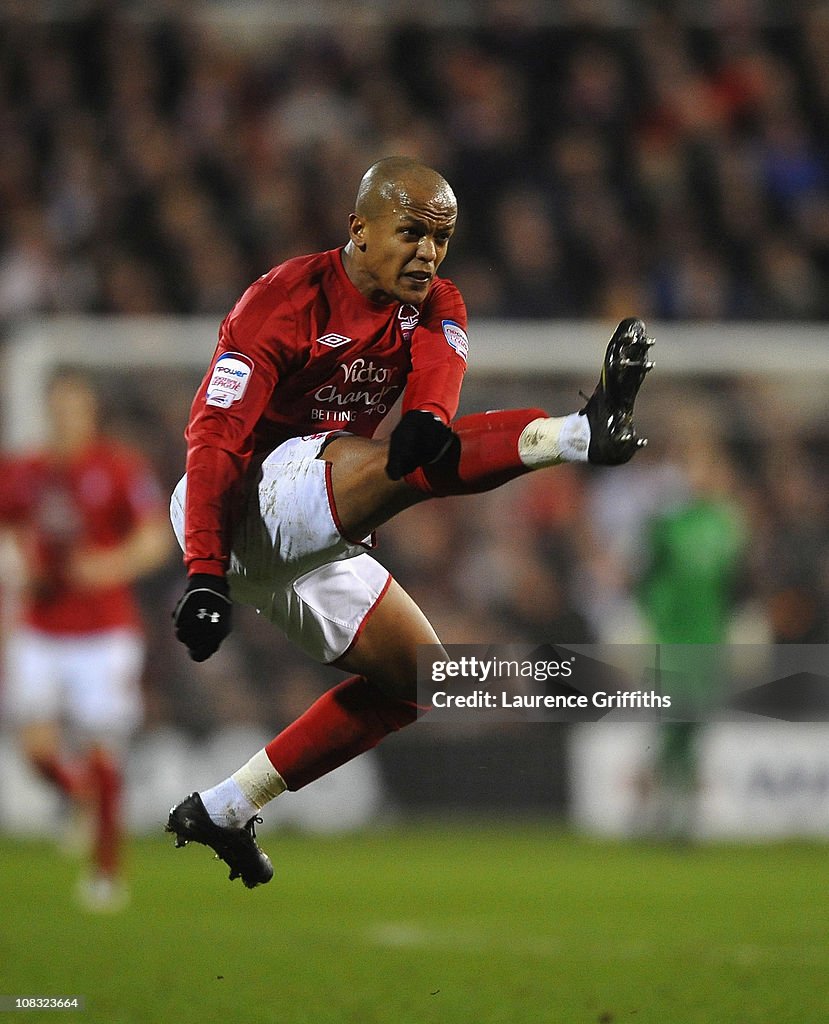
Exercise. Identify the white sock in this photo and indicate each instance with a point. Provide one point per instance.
(549, 441)
(236, 800)
(227, 805)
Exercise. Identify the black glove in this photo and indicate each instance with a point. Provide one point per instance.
(202, 617)
(419, 439)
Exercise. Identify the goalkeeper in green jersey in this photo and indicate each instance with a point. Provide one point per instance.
(693, 559)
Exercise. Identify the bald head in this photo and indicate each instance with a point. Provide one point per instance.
(395, 181)
(403, 219)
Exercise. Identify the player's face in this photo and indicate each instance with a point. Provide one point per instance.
(399, 250)
(73, 412)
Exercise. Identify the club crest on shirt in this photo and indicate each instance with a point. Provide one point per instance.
(409, 316)
(229, 379)
(456, 336)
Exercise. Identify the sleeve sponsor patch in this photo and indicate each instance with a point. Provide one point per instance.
(456, 336)
(229, 379)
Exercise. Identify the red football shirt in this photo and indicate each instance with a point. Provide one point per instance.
(303, 351)
(93, 500)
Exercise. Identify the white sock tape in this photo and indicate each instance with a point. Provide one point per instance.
(551, 440)
(259, 780)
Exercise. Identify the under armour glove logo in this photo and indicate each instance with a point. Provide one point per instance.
(419, 439)
(202, 618)
(203, 613)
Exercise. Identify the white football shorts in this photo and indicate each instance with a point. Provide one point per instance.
(290, 560)
(91, 681)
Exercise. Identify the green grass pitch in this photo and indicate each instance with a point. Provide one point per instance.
(429, 925)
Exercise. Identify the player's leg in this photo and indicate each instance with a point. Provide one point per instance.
(42, 746)
(377, 641)
(489, 453)
(495, 447)
(33, 702)
(104, 708)
(39, 695)
(380, 696)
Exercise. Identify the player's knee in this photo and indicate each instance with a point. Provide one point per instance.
(396, 676)
(386, 650)
(399, 683)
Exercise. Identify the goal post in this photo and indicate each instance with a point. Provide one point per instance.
(792, 354)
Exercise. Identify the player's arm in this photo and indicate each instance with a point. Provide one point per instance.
(430, 401)
(146, 542)
(142, 551)
(220, 448)
(255, 345)
(20, 567)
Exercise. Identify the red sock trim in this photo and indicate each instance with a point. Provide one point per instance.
(346, 721)
(488, 454)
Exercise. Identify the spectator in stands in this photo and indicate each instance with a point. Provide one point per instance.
(186, 146)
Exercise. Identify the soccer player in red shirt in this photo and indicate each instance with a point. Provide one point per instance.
(88, 518)
(285, 485)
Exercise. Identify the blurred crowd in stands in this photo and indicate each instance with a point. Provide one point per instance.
(674, 170)
(657, 165)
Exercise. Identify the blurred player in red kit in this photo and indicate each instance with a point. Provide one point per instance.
(87, 516)
(285, 485)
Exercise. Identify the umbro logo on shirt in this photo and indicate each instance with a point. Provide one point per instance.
(333, 340)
